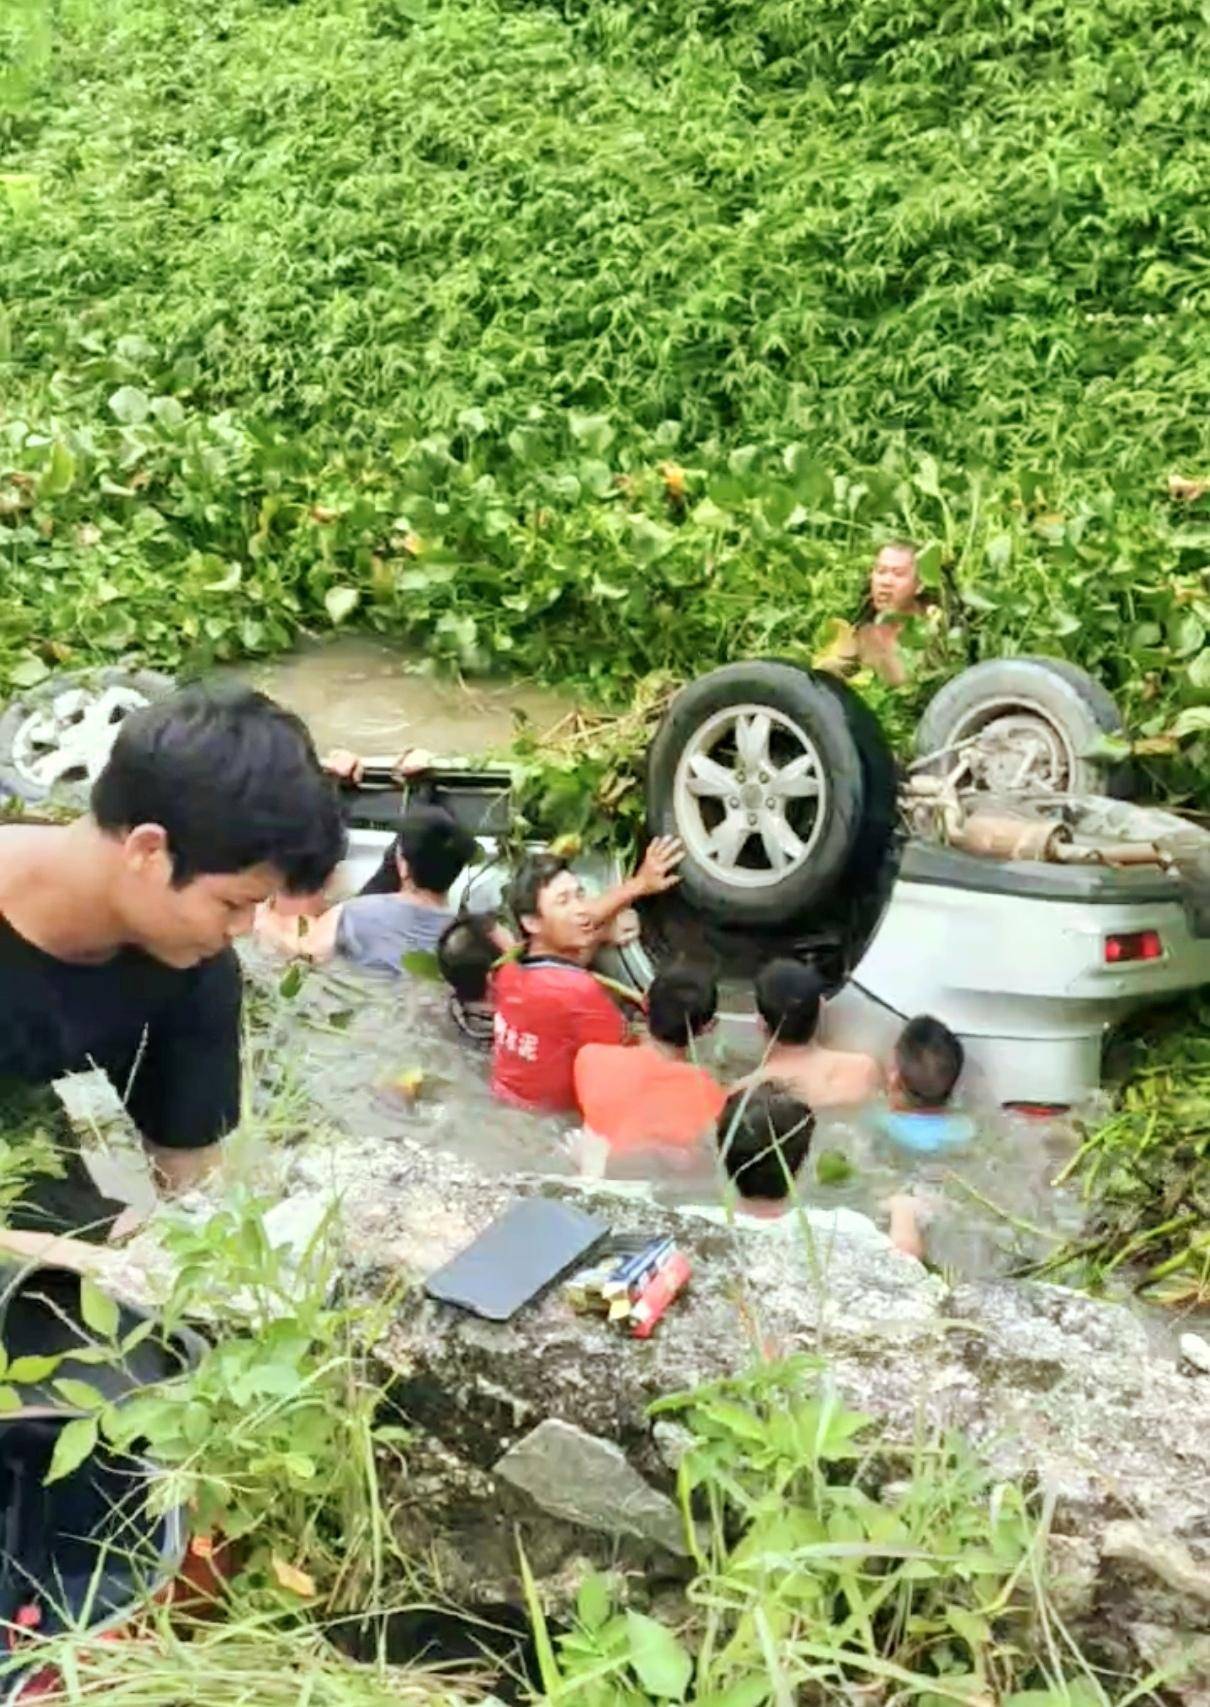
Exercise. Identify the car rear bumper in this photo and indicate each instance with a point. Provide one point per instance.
(1005, 962)
(1013, 958)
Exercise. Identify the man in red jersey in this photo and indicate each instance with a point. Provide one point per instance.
(548, 1006)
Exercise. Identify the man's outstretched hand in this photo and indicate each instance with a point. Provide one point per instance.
(658, 872)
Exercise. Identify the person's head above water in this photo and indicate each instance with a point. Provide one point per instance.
(764, 1135)
(211, 801)
(432, 849)
(895, 585)
(681, 1004)
(928, 1063)
(548, 902)
(789, 998)
(466, 952)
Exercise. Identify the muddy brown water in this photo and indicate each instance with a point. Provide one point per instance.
(377, 699)
(383, 1058)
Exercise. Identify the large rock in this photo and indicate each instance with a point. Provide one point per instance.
(540, 1424)
(539, 1427)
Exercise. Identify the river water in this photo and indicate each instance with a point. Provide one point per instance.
(384, 1059)
(378, 700)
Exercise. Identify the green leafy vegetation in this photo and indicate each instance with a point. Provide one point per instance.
(830, 1561)
(621, 358)
(1145, 1170)
(278, 1445)
(30, 1140)
(825, 1556)
(274, 1442)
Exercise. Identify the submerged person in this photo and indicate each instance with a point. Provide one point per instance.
(764, 1137)
(376, 930)
(894, 595)
(116, 930)
(468, 951)
(790, 1001)
(652, 1101)
(547, 1004)
(927, 1065)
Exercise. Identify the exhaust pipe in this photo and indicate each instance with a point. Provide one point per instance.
(992, 835)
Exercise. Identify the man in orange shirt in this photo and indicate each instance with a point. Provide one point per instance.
(652, 1102)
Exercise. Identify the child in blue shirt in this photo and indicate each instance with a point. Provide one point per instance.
(927, 1065)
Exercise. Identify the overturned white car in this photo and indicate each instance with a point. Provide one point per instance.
(999, 882)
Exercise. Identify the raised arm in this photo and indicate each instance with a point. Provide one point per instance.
(657, 873)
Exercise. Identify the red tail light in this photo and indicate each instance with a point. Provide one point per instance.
(1135, 945)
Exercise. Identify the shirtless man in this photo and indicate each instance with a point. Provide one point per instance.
(789, 999)
(116, 929)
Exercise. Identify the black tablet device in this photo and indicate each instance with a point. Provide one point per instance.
(531, 1244)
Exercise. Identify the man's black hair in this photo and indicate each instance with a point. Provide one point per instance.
(930, 1061)
(535, 874)
(434, 846)
(466, 953)
(789, 996)
(233, 781)
(681, 1003)
(764, 1135)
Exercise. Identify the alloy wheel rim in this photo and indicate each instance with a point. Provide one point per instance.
(69, 737)
(750, 796)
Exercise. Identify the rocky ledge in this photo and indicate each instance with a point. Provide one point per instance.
(539, 1428)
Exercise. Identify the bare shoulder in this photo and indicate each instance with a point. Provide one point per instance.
(852, 1076)
(870, 1070)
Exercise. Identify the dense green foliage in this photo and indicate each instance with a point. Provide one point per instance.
(603, 338)
(1145, 1170)
(828, 1561)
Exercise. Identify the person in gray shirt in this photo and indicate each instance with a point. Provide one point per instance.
(376, 931)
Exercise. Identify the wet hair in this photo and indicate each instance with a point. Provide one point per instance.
(789, 997)
(435, 848)
(466, 953)
(232, 779)
(681, 1003)
(930, 1061)
(764, 1135)
(534, 875)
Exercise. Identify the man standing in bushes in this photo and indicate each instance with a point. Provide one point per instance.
(116, 931)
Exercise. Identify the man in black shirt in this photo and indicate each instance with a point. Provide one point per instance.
(116, 930)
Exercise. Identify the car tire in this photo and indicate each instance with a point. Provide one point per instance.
(1036, 719)
(759, 769)
(56, 737)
